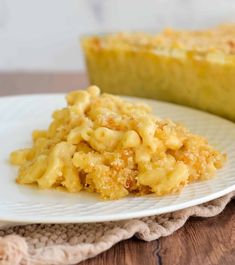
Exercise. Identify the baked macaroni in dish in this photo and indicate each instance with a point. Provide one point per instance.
(103, 144)
(193, 68)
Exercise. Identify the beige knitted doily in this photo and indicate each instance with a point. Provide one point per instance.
(63, 244)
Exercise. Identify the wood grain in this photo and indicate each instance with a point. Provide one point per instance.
(201, 241)
(23, 83)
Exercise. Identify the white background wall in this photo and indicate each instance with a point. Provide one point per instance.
(43, 34)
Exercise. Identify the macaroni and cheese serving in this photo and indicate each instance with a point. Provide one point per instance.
(103, 144)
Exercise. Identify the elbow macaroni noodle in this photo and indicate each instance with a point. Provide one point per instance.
(103, 144)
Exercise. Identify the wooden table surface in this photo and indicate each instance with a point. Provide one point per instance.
(201, 241)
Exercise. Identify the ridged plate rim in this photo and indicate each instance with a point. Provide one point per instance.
(23, 211)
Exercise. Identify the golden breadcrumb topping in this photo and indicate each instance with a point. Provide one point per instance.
(112, 147)
(220, 39)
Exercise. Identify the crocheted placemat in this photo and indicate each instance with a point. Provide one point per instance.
(62, 244)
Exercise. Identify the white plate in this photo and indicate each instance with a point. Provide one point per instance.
(20, 115)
